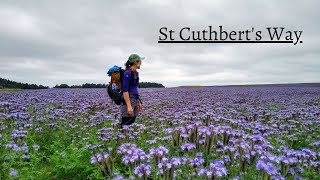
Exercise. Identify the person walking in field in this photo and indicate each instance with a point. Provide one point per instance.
(131, 104)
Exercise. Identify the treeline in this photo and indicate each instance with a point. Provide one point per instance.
(150, 85)
(87, 85)
(5, 83)
(91, 85)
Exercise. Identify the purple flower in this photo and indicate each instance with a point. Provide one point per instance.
(298, 178)
(202, 172)
(300, 170)
(126, 148)
(99, 157)
(24, 156)
(230, 148)
(36, 147)
(17, 148)
(143, 170)
(159, 152)
(291, 171)
(218, 168)
(196, 162)
(267, 167)
(270, 158)
(13, 172)
(119, 178)
(169, 163)
(316, 144)
(18, 133)
(188, 146)
(135, 155)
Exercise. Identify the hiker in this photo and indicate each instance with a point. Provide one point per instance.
(131, 104)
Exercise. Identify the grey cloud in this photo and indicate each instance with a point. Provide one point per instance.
(53, 42)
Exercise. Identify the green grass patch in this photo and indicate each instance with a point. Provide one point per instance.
(10, 90)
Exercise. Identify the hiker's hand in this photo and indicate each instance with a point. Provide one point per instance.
(140, 107)
(129, 110)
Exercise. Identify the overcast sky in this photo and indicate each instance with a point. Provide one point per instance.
(74, 42)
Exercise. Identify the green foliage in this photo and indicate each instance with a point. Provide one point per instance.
(70, 162)
(92, 85)
(87, 85)
(150, 85)
(61, 155)
(5, 83)
(10, 89)
(62, 86)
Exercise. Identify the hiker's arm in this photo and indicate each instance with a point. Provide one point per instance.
(140, 105)
(126, 98)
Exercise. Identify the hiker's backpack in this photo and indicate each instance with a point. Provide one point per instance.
(115, 85)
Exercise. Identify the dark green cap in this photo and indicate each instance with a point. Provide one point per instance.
(134, 57)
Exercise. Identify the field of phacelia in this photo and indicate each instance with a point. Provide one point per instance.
(182, 133)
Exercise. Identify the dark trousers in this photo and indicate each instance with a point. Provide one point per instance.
(127, 120)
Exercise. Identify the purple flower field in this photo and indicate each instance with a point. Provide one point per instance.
(182, 133)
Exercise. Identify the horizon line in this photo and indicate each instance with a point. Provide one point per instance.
(248, 84)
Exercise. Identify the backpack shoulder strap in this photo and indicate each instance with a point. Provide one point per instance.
(138, 78)
(121, 78)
